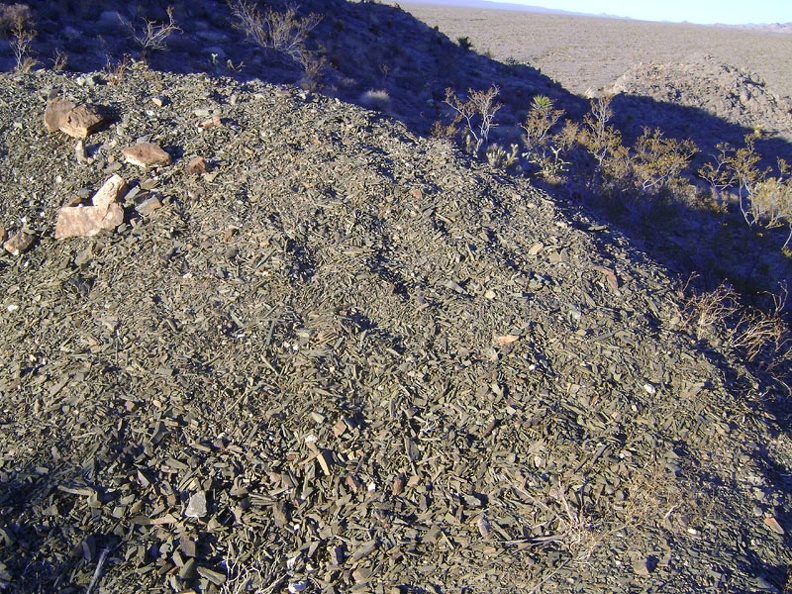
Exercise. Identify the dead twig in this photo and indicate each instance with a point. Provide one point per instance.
(98, 571)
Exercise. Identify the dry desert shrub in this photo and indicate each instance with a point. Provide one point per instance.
(541, 118)
(545, 150)
(282, 31)
(20, 41)
(501, 158)
(376, 99)
(764, 336)
(658, 164)
(764, 196)
(597, 161)
(590, 159)
(720, 318)
(465, 43)
(706, 314)
(251, 577)
(15, 16)
(313, 66)
(153, 36)
(116, 70)
(16, 23)
(59, 61)
(478, 111)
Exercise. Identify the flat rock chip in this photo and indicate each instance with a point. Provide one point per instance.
(196, 507)
(18, 243)
(148, 206)
(197, 166)
(146, 154)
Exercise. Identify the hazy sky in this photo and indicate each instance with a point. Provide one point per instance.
(733, 12)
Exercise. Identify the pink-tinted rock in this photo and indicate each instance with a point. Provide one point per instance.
(18, 243)
(56, 112)
(105, 212)
(147, 154)
(197, 166)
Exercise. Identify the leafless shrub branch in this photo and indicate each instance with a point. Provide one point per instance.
(59, 61)
(284, 31)
(116, 71)
(20, 42)
(313, 66)
(707, 314)
(15, 16)
(478, 111)
(761, 337)
(154, 35)
(246, 578)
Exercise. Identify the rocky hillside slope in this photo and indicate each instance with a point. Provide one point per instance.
(342, 358)
(729, 93)
(320, 352)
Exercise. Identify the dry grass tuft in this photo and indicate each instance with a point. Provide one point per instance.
(720, 318)
(246, 578)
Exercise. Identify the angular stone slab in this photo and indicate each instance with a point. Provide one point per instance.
(105, 212)
(18, 243)
(147, 154)
(77, 121)
(82, 121)
(56, 112)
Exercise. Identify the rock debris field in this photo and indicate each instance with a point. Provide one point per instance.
(318, 353)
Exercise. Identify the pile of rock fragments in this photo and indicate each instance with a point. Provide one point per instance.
(308, 351)
(729, 93)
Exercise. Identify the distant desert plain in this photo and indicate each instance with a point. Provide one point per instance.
(586, 53)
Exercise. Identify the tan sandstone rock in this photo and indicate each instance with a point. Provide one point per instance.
(56, 112)
(77, 121)
(82, 121)
(197, 166)
(147, 154)
(18, 243)
(105, 212)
